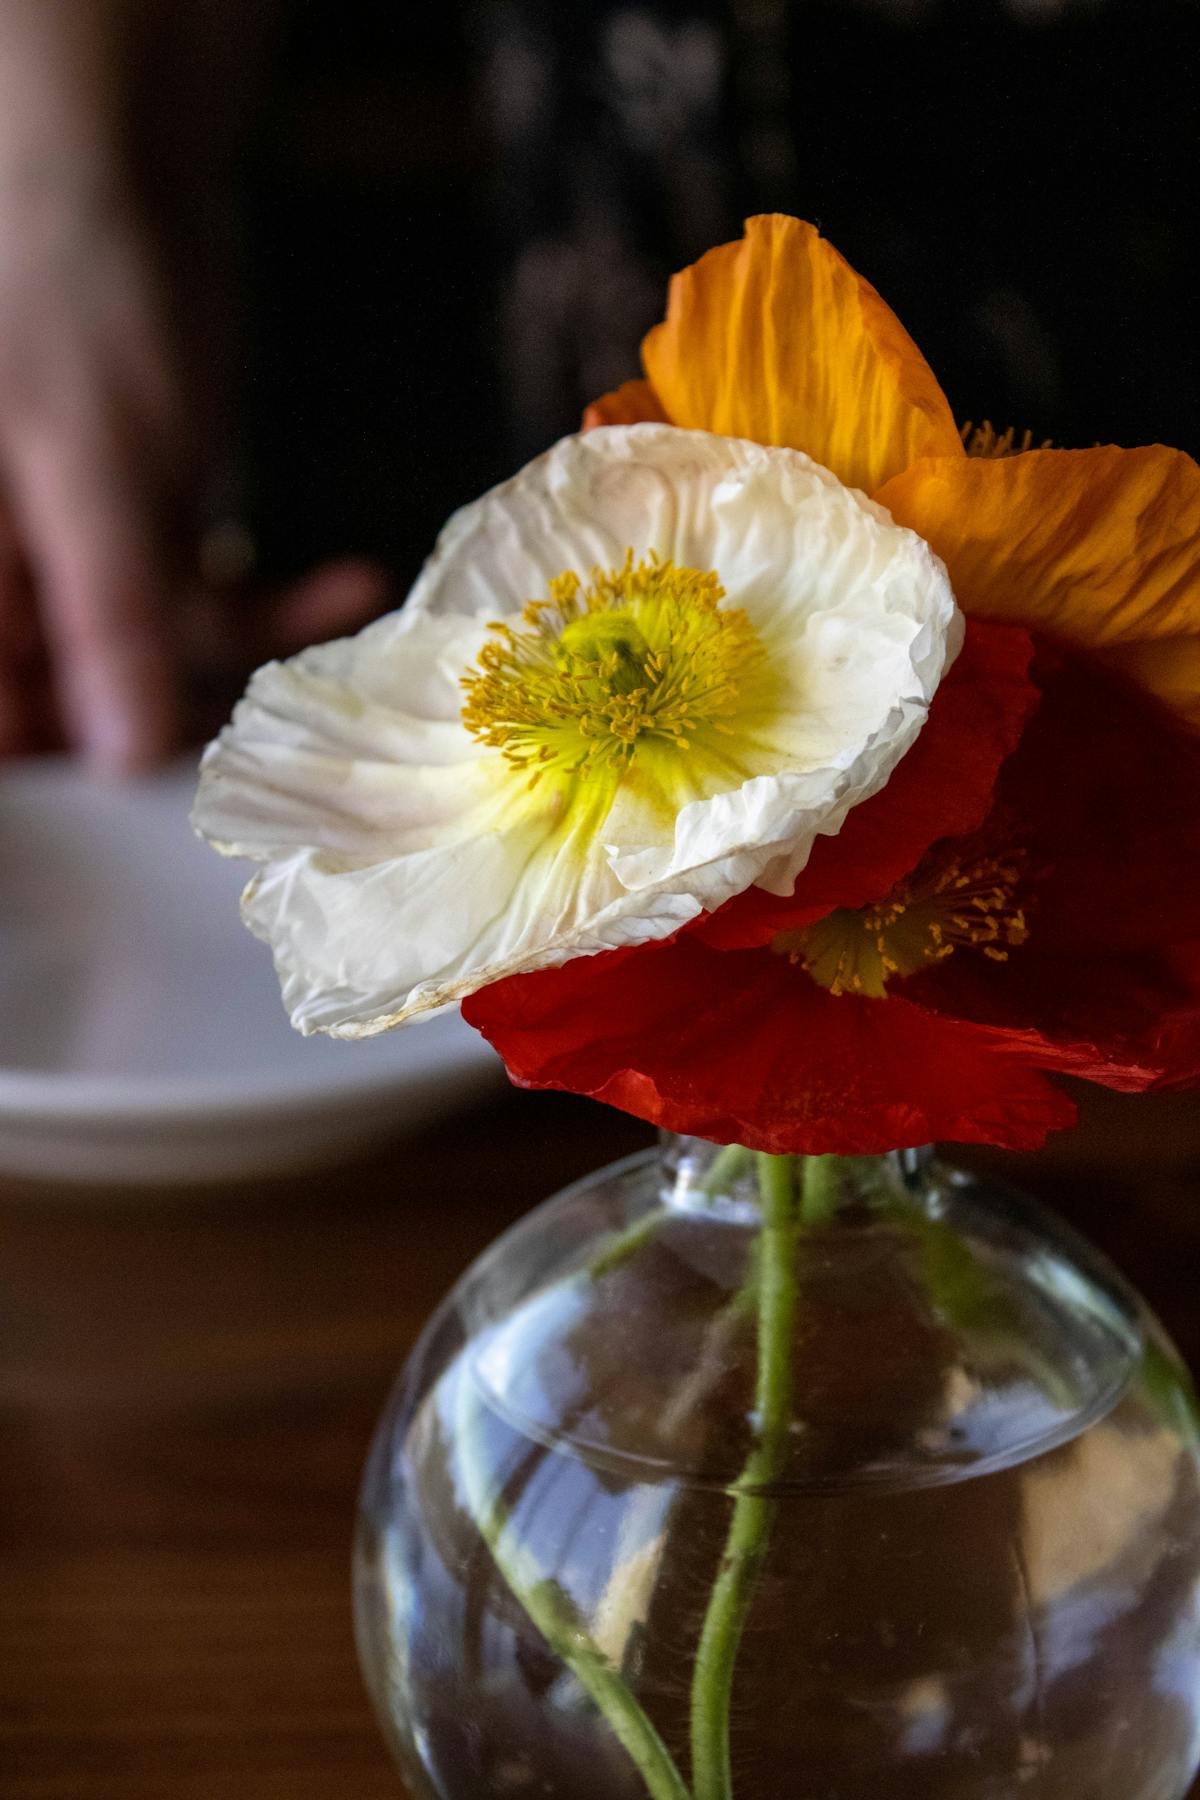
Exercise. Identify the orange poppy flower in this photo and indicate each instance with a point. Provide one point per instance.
(776, 338)
(1024, 894)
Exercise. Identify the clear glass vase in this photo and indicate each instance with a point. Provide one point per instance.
(736, 1477)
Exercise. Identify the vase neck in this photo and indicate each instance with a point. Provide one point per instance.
(726, 1179)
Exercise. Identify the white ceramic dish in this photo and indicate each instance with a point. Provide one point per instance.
(142, 1037)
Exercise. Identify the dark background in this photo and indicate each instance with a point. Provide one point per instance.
(459, 219)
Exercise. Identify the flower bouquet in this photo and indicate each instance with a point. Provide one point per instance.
(783, 765)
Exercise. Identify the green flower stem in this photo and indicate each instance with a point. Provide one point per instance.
(1168, 1386)
(753, 1512)
(820, 1189)
(961, 1291)
(728, 1166)
(623, 1245)
(554, 1614)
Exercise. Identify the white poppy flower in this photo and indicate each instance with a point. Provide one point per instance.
(633, 680)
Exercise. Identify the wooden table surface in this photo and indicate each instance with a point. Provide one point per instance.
(188, 1383)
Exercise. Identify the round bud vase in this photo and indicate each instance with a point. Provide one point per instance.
(726, 1476)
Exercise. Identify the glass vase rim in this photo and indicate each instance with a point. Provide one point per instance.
(735, 1193)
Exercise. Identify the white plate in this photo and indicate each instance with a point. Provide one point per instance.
(142, 1037)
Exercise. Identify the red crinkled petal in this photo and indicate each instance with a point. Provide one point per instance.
(1105, 795)
(1112, 1020)
(741, 1046)
(1178, 1051)
(1179, 1035)
(942, 788)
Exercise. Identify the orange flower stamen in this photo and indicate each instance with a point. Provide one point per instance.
(966, 902)
(985, 440)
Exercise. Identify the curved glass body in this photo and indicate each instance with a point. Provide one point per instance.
(963, 1564)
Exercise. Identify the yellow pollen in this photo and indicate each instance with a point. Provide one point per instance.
(985, 440)
(641, 653)
(968, 903)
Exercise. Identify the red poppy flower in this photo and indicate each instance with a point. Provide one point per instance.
(725, 1032)
(1023, 897)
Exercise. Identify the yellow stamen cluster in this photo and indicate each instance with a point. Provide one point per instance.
(947, 904)
(642, 652)
(985, 440)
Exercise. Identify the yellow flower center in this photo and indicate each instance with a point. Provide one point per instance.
(926, 917)
(640, 655)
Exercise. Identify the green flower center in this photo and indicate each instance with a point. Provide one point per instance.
(644, 654)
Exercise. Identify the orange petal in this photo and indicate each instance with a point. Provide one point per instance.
(1098, 548)
(633, 403)
(776, 338)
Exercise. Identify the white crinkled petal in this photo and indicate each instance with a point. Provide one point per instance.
(355, 747)
(361, 950)
(405, 865)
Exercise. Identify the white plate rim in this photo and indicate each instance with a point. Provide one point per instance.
(62, 1097)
